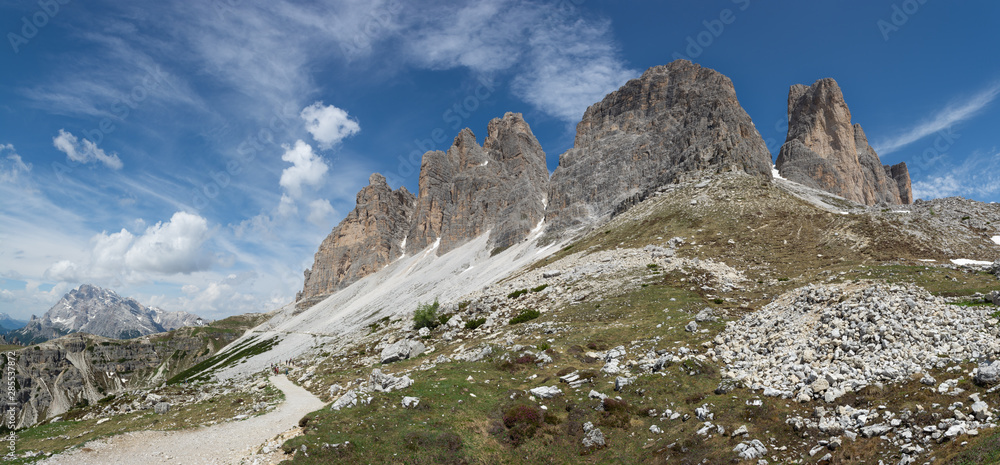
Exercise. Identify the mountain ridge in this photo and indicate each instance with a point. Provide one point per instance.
(101, 312)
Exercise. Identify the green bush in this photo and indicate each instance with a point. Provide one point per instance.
(426, 315)
(442, 319)
(526, 315)
(544, 346)
(539, 288)
(473, 324)
(517, 293)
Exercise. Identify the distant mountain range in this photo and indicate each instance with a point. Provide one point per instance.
(8, 323)
(93, 310)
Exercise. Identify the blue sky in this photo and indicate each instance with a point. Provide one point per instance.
(194, 154)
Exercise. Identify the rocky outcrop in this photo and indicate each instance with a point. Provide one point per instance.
(93, 310)
(668, 125)
(79, 369)
(370, 237)
(468, 190)
(901, 175)
(824, 150)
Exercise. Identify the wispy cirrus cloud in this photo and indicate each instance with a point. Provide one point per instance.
(946, 117)
(977, 176)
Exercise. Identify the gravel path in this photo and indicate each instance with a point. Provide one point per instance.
(224, 443)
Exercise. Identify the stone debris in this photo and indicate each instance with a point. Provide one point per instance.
(821, 341)
(410, 402)
(593, 436)
(750, 450)
(402, 350)
(381, 382)
(546, 392)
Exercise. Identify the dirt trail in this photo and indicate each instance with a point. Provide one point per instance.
(225, 443)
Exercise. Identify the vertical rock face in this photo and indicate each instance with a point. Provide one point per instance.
(901, 175)
(468, 190)
(825, 151)
(671, 122)
(370, 237)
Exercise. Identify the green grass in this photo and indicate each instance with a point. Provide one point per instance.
(238, 354)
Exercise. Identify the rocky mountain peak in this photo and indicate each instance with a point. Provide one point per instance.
(665, 126)
(826, 151)
(471, 189)
(94, 310)
(370, 237)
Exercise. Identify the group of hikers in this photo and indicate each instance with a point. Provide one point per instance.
(277, 369)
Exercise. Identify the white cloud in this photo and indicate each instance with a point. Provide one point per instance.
(63, 270)
(170, 248)
(6, 295)
(84, 151)
(572, 65)
(287, 207)
(561, 63)
(328, 124)
(307, 168)
(946, 117)
(978, 177)
(11, 165)
(319, 211)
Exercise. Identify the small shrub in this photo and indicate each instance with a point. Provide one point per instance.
(473, 324)
(544, 346)
(718, 301)
(539, 288)
(526, 315)
(617, 413)
(517, 293)
(522, 421)
(525, 359)
(442, 319)
(652, 266)
(463, 305)
(426, 315)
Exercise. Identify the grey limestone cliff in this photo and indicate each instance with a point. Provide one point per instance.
(370, 237)
(824, 150)
(668, 125)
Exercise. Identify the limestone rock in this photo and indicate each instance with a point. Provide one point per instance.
(546, 392)
(370, 237)
(665, 126)
(402, 350)
(824, 150)
(593, 437)
(901, 175)
(161, 407)
(382, 382)
(470, 189)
